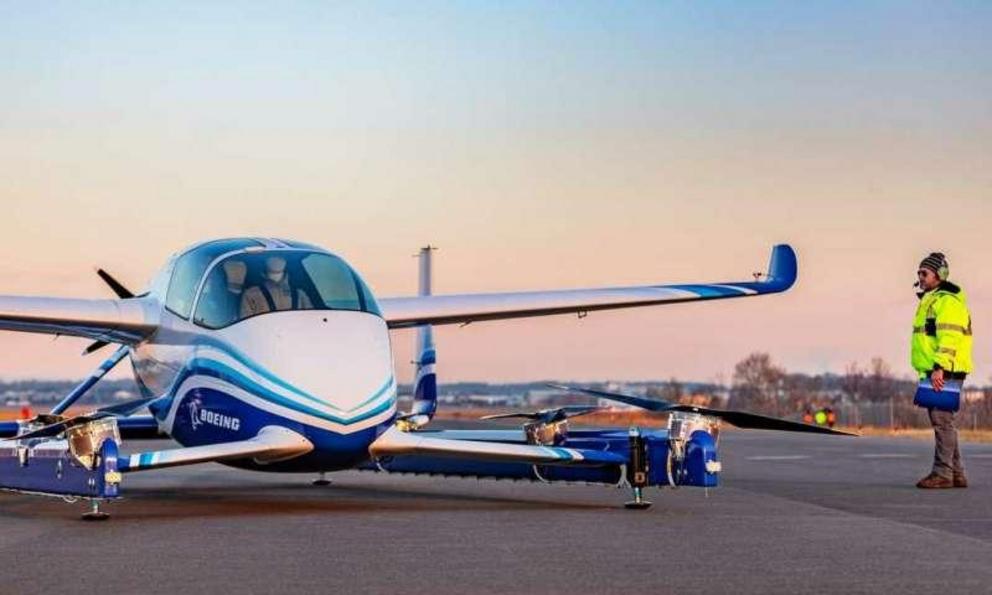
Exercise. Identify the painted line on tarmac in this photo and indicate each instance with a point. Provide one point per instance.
(981, 455)
(887, 455)
(778, 458)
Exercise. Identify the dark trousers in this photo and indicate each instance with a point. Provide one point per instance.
(946, 454)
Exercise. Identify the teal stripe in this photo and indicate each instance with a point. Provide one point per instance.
(146, 459)
(214, 369)
(258, 369)
(561, 452)
(266, 374)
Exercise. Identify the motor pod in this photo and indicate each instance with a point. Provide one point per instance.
(86, 440)
(691, 453)
(546, 434)
(701, 468)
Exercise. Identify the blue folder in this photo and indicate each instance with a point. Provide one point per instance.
(948, 399)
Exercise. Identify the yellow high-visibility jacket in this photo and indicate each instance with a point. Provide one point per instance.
(942, 331)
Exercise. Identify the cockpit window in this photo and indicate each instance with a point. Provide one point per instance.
(254, 283)
(189, 270)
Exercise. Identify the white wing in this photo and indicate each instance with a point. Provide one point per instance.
(119, 321)
(271, 445)
(396, 443)
(447, 309)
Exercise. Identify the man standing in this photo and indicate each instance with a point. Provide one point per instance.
(941, 350)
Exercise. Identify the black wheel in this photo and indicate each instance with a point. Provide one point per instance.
(321, 482)
(95, 516)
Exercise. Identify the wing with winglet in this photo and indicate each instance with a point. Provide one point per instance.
(448, 309)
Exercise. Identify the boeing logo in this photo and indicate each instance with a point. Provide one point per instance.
(199, 416)
(220, 420)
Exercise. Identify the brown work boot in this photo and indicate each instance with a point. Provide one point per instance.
(960, 481)
(934, 481)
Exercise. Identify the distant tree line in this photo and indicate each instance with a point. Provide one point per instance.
(41, 392)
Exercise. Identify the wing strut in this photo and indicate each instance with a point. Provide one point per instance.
(87, 384)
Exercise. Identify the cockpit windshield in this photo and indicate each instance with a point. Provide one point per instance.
(253, 283)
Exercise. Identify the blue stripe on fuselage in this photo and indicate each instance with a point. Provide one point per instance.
(331, 449)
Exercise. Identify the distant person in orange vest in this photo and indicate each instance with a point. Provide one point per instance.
(808, 416)
(831, 417)
(25, 412)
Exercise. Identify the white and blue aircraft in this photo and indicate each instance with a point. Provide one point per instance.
(274, 355)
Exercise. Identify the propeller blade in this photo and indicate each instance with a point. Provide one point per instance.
(740, 419)
(115, 285)
(642, 402)
(126, 408)
(522, 415)
(95, 346)
(753, 421)
(577, 410)
(56, 426)
(548, 415)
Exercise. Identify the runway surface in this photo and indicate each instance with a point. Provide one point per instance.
(794, 514)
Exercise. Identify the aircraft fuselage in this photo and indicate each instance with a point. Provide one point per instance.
(326, 374)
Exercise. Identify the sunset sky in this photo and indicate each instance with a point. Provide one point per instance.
(540, 144)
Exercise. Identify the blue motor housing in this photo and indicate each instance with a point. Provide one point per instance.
(693, 470)
(55, 472)
(701, 467)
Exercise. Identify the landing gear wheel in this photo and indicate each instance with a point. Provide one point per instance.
(94, 513)
(321, 481)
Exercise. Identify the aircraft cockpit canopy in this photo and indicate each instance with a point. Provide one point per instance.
(255, 280)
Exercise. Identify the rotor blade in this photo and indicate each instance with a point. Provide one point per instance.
(57, 428)
(518, 414)
(577, 410)
(95, 346)
(126, 408)
(117, 287)
(741, 419)
(642, 402)
(753, 421)
(548, 415)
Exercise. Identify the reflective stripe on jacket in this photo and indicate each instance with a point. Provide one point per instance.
(942, 331)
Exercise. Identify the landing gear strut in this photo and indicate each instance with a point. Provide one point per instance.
(321, 481)
(94, 513)
(637, 471)
(638, 503)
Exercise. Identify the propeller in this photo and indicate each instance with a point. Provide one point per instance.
(740, 419)
(95, 346)
(56, 424)
(116, 286)
(122, 292)
(548, 416)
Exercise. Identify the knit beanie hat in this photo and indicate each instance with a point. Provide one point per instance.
(937, 263)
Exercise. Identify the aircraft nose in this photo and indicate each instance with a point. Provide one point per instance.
(333, 362)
